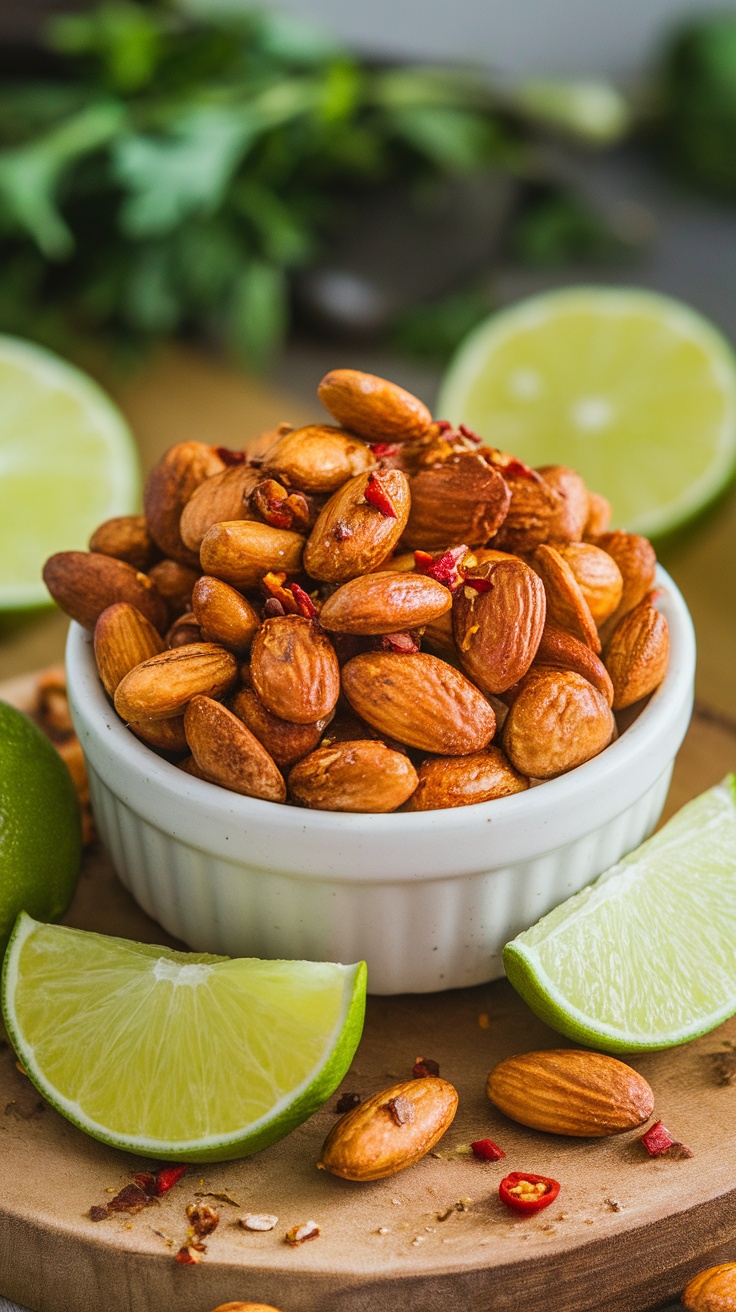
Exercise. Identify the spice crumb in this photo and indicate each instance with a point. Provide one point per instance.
(346, 1102)
(484, 1021)
(614, 1204)
(299, 1234)
(400, 1109)
(258, 1221)
(396, 1202)
(418, 1239)
(424, 1067)
(382, 1230)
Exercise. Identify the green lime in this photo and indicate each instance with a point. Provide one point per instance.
(67, 462)
(177, 1055)
(40, 834)
(644, 957)
(635, 391)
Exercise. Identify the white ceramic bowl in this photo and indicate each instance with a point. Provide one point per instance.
(427, 899)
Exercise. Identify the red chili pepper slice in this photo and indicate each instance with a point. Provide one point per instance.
(167, 1177)
(468, 432)
(487, 1151)
(478, 584)
(445, 568)
(229, 457)
(376, 495)
(304, 602)
(659, 1141)
(382, 450)
(527, 1194)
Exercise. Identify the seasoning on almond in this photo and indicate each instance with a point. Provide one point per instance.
(390, 1131)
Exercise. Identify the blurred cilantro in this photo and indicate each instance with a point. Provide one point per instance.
(698, 104)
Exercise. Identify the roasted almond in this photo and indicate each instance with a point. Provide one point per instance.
(240, 552)
(566, 605)
(318, 458)
(184, 630)
(285, 741)
(637, 563)
(461, 500)
(599, 515)
(175, 582)
(375, 409)
(162, 686)
(228, 753)
(223, 614)
(419, 700)
(169, 486)
(387, 602)
(598, 577)
(446, 781)
(438, 635)
(558, 720)
(164, 735)
(712, 1290)
(85, 583)
(352, 536)
(637, 654)
(532, 511)
(391, 1130)
(562, 650)
(568, 523)
(565, 1091)
(361, 776)
(497, 631)
(123, 639)
(126, 538)
(294, 669)
(223, 497)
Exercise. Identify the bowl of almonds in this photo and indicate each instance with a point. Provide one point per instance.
(380, 691)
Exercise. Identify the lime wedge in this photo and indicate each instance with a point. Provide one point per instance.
(645, 957)
(177, 1055)
(635, 391)
(67, 462)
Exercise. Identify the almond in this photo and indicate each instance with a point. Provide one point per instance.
(184, 630)
(240, 552)
(598, 577)
(558, 721)
(637, 563)
(84, 584)
(599, 515)
(562, 650)
(318, 458)
(175, 582)
(566, 605)
(387, 602)
(123, 639)
(164, 735)
(375, 409)
(565, 1091)
(497, 632)
(352, 536)
(461, 500)
(220, 498)
(532, 511)
(420, 700)
(126, 538)
(161, 687)
(390, 1131)
(446, 781)
(227, 753)
(568, 523)
(169, 486)
(223, 614)
(285, 741)
(353, 776)
(438, 635)
(712, 1290)
(294, 669)
(637, 654)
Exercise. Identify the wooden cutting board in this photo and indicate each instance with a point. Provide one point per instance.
(625, 1235)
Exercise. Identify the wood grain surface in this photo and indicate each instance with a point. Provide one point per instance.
(625, 1235)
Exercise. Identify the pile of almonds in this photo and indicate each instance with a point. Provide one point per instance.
(378, 615)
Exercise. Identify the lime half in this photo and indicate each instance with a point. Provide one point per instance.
(645, 957)
(635, 391)
(67, 462)
(173, 1054)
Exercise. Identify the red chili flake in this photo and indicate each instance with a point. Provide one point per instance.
(403, 643)
(229, 457)
(487, 1151)
(189, 1255)
(658, 1141)
(376, 495)
(445, 568)
(510, 465)
(346, 1102)
(384, 450)
(471, 436)
(424, 1067)
(273, 585)
(400, 1109)
(305, 605)
(299, 1234)
(131, 1199)
(341, 532)
(98, 1213)
(443, 426)
(477, 584)
(527, 1194)
(167, 1177)
(202, 1218)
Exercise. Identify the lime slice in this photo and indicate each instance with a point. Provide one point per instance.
(67, 462)
(635, 391)
(177, 1055)
(646, 956)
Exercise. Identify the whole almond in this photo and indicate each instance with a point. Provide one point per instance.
(240, 552)
(598, 577)
(568, 523)
(375, 409)
(390, 1131)
(419, 700)
(461, 500)
(175, 582)
(637, 654)
(566, 605)
(126, 538)
(123, 639)
(361, 776)
(564, 1091)
(352, 536)
(318, 458)
(387, 602)
(223, 614)
(439, 636)
(85, 583)
(497, 632)
(446, 781)
(712, 1290)
(161, 687)
(561, 649)
(228, 753)
(637, 562)
(599, 515)
(532, 512)
(245, 1307)
(169, 486)
(164, 735)
(294, 669)
(220, 498)
(184, 630)
(285, 741)
(558, 721)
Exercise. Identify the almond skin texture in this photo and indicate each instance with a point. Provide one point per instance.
(220, 498)
(175, 582)
(497, 633)
(169, 486)
(598, 577)
(318, 458)
(240, 552)
(375, 409)
(568, 524)
(712, 1290)
(162, 686)
(85, 583)
(637, 563)
(387, 602)
(126, 538)
(558, 721)
(123, 638)
(361, 776)
(419, 700)
(566, 605)
(559, 648)
(532, 511)
(294, 669)
(284, 741)
(223, 614)
(564, 1091)
(637, 655)
(599, 515)
(446, 781)
(372, 1141)
(462, 500)
(164, 735)
(184, 630)
(227, 753)
(351, 536)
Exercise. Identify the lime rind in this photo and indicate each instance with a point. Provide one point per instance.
(287, 1108)
(645, 957)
